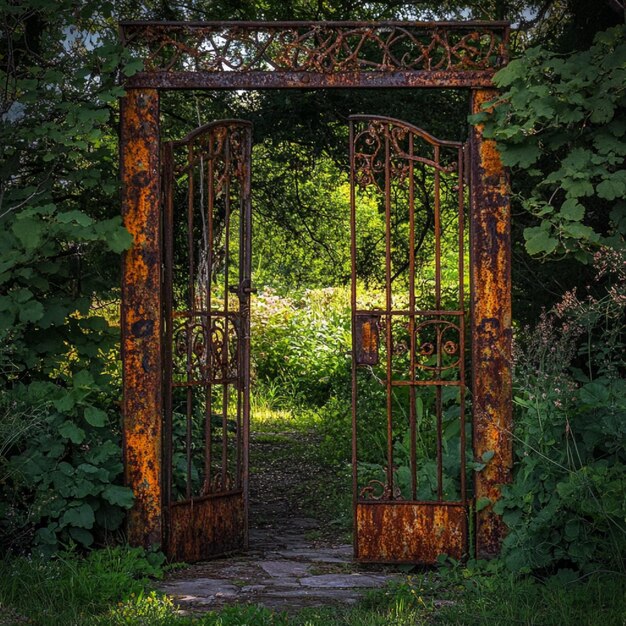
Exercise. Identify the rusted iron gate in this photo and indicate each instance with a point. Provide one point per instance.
(389, 526)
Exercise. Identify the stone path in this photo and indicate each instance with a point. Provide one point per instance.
(284, 569)
(280, 571)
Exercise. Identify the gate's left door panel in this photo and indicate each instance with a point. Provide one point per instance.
(206, 294)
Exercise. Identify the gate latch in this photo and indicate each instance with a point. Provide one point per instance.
(367, 339)
(243, 289)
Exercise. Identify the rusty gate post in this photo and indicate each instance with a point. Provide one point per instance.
(491, 328)
(141, 313)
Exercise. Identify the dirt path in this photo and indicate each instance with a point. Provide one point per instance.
(297, 557)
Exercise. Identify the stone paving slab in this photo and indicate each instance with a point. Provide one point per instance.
(345, 581)
(297, 575)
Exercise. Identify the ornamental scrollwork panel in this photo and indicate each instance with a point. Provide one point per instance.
(317, 47)
(381, 147)
(205, 350)
(437, 347)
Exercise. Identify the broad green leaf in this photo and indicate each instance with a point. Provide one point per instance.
(580, 231)
(65, 403)
(609, 189)
(81, 516)
(539, 241)
(28, 231)
(119, 240)
(95, 417)
(594, 393)
(482, 503)
(70, 431)
(82, 536)
(31, 311)
(75, 216)
(120, 496)
(487, 456)
(572, 210)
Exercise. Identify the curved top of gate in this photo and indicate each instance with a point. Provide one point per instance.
(309, 55)
(416, 130)
(207, 128)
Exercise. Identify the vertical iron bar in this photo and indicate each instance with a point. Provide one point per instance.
(461, 209)
(247, 218)
(168, 282)
(241, 181)
(438, 404)
(388, 304)
(190, 315)
(353, 304)
(412, 427)
(208, 435)
(225, 355)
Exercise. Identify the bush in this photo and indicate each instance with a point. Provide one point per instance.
(61, 483)
(567, 504)
(301, 343)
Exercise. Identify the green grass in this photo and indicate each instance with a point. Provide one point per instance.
(110, 587)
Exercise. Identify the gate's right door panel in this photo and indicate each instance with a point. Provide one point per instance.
(408, 320)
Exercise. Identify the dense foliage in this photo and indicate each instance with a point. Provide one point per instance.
(560, 124)
(60, 239)
(566, 507)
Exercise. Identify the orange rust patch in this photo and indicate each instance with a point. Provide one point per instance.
(491, 314)
(141, 314)
(204, 527)
(409, 532)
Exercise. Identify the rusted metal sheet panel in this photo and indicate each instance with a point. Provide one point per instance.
(491, 327)
(206, 527)
(141, 313)
(410, 532)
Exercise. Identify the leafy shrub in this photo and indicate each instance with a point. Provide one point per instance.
(61, 480)
(60, 237)
(301, 342)
(567, 504)
(559, 121)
